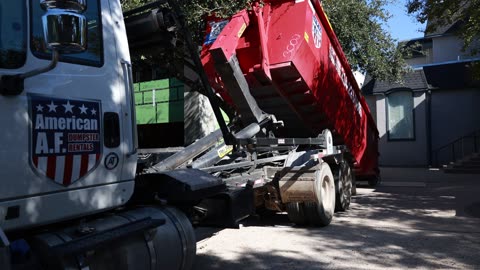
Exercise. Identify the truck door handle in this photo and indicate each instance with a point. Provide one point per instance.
(129, 93)
(111, 129)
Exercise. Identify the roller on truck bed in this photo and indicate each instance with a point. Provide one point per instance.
(77, 193)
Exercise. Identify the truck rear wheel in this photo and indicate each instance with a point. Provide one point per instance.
(296, 214)
(374, 181)
(344, 187)
(320, 213)
(354, 185)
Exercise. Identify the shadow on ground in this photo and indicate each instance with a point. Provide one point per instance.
(397, 228)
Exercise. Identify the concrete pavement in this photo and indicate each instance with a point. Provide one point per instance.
(416, 219)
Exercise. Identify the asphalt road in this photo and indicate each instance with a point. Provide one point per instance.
(416, 219)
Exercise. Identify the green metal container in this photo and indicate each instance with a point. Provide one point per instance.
(159, 102)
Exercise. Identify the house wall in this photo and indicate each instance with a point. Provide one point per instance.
(360, 78)
(403, 153)
(372, 105)
(448, 48)
(455, 113)
(418, 61)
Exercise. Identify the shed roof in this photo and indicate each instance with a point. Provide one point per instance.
(459, 75)
(413, 80)
(441, 29)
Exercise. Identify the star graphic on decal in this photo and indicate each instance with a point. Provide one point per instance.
(94, 112)
(68, 107)
(39, 108)
(83, 109)
(52, 107)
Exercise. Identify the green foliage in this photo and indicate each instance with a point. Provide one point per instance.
(367, 45)
(131, 4)
(197, 10)
(447, 12)
(357, 23)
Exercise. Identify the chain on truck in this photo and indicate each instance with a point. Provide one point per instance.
(74, 193)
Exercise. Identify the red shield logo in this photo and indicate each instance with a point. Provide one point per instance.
(65, 139)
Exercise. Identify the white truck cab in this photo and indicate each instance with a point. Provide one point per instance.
(68, 139)
(68, 146)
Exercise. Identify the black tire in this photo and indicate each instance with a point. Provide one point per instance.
(374, 181)
(354, 185)
(296, 213)
(344, 188)
(320, 213)
(313, 217)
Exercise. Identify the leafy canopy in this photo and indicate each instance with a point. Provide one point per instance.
(357, 23)
(368, 47)
(447, 12)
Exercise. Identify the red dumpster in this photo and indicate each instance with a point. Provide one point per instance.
(296, 70)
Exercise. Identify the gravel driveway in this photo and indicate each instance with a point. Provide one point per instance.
(415, 219)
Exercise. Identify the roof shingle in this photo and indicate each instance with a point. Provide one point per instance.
(413, 80)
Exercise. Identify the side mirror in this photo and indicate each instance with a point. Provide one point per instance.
(65, 31)
(78, 6)
(64, 26)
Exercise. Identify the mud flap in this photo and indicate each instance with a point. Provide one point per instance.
(228, 208)
(4, 251)
(184, 185)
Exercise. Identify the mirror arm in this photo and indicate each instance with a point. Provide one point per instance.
(12, 85)
(35, 72)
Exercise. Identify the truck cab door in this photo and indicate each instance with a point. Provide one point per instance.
(68, 138)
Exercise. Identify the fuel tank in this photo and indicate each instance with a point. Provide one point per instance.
(143, 238)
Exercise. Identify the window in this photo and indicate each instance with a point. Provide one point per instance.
(13, 29)
(93, 56)
(400, 121)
